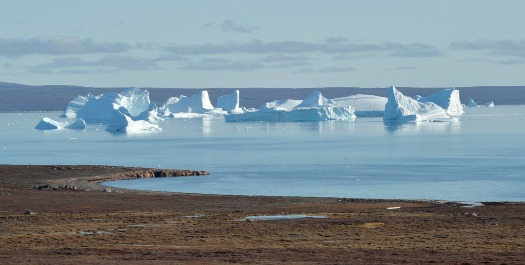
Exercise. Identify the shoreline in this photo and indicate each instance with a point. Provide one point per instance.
(94, 182)
(74, 219)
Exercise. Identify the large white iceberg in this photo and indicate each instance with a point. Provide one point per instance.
(199, 103)
(314, 108)
(49, 124)
(489, 104)
(100, 108)
(121, 122)
(448, 99)
(229, 103)
(364, 105)
(401, 108)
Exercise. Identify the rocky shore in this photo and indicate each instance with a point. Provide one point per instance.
(61, 215)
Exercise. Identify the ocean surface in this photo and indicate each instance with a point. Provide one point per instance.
(479, 156)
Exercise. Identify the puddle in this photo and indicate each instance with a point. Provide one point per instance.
(145, 225)
(195, 216)
(88, 233)
(281, 217)
(156, 246)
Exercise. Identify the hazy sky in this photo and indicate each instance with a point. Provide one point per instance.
(263, 43)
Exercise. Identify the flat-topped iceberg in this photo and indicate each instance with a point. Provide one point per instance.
(448, 99)
(364, 105)
(99, 109)
(313, 108)
(121, 122)
(49, 124)
(401, 108)
(199, 103)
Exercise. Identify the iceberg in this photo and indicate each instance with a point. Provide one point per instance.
(199, 103)
(120, 122)
(401, 108)
(49, 124)
(286, 104)
(151, 114)
(489, 104)
(78, 124)
(472, 104)
(364, 105)
(316, 100)
(99, 108)
(448, 99)
(313, 108)
(230, 103)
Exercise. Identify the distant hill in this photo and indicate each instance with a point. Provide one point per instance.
(19, 97)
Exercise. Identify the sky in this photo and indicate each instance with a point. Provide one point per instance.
(238, 44)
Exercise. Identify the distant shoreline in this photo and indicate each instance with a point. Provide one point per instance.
(23, 98)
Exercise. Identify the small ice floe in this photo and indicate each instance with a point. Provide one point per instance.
(281, 217)
(393, 208)
(471, 204)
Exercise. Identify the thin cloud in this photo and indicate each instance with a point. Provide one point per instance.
(336, 69)
(514, 48)
(403, 68)
(57, 45)
(272, 58)
(212, 64)
(326, 70)
(111, 63)
(331, 46)
(231, 26)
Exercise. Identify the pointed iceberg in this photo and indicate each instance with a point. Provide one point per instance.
(49, 124)
(316, 100)
(472, 104)
(401, 108)
(448, 99)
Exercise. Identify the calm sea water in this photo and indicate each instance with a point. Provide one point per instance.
(478, 157)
